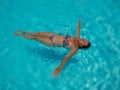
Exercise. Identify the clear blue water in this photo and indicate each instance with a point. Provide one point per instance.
(29, 65)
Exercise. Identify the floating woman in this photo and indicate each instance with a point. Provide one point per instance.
(51, 39)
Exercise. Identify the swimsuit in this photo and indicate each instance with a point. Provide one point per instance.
(52, 39)
(65, 41)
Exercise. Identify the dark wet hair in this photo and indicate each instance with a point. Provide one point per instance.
(85, 47)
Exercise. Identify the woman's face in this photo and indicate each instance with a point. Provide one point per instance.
(84, 43)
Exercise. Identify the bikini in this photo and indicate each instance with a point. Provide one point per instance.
(52, 39)
(65, 41)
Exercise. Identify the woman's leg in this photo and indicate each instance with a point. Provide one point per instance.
(43, 37)
(24, 34)
(41, 34)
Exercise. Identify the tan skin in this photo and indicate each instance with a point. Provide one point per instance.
(43, 37)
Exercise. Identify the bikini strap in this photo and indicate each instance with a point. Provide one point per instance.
(67, 36)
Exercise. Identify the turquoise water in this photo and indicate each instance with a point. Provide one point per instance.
(29, 65)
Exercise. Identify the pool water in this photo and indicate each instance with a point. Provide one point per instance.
(29, 65)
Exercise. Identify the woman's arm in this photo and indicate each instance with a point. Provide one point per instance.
(72, 52)
(78, 30)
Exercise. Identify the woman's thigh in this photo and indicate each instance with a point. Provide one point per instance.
(44, 34)
(44, 40)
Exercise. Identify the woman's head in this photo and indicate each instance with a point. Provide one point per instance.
(84, 44)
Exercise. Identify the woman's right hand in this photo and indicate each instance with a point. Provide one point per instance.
(56, 72)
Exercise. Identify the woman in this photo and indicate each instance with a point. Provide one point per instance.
(73, 43)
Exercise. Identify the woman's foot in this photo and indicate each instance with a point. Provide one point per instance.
(24, 34)
(20, 33)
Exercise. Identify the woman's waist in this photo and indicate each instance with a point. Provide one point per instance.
(63, 42)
